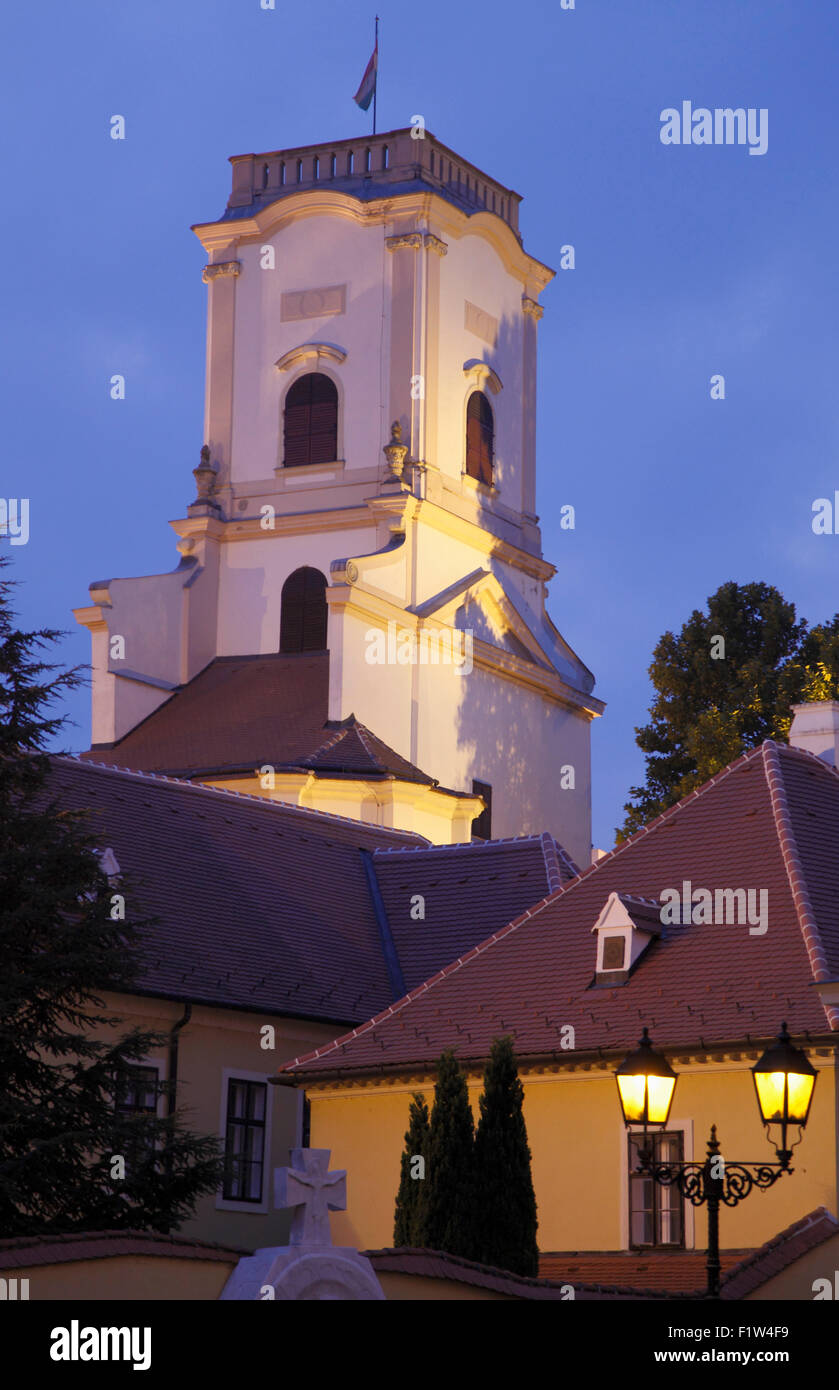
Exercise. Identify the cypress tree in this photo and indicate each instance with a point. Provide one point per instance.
(61, 1126)
(445, 1214)
(506, 1222)
(406, 1224)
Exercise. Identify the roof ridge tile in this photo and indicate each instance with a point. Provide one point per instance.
(795, 872)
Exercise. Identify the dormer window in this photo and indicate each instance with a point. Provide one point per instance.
(614, 953)
(624, 930)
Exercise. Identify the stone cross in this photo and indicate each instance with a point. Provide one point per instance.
(312, 1192)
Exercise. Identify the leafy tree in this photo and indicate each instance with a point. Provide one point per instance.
(406, 1221)
(713, 703)
(445, 1214)
(813, 674)
(62, 1077)
(506, 1222)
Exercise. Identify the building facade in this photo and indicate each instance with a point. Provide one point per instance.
(367, 487)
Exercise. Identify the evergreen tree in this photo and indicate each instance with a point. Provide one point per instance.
(506, 1220)
(406, 1221)
(446, 1212)
(61, 1128)
(714, 702)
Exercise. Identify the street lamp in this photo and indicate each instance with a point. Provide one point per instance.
(784, 1080)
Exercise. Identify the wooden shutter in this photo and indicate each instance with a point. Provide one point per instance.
(310, 431)
(479, 438)
(303, 618)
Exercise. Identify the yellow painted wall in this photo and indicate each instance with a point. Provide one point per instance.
(126, 1277)
(578, 1143)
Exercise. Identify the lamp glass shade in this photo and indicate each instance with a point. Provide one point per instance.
(646, 1083)
(784, 1081)
(646, 1099)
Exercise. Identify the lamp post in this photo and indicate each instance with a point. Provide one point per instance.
(784, 1080)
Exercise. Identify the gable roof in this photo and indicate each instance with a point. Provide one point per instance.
(269, 907)
(770, 821)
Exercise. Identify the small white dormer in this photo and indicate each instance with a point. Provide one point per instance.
(625, 928)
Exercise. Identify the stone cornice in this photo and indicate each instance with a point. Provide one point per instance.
(530, 306)
(411, 241)
(220, 268)
(404, 506)
(413, 207)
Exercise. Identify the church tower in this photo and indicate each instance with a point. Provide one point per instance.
(358, 619)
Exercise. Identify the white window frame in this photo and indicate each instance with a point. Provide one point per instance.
(685, 1127)
(239, 1074)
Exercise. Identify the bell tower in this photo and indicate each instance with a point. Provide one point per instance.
(370, 426)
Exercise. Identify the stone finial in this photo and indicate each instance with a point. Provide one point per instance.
(395, 451)
(205, 476)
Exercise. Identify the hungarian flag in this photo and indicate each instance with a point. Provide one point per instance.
(364, 95)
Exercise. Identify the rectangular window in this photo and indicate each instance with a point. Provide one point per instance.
(138, 1094)
(244, 1153)
(656, 1213)
(482, 824)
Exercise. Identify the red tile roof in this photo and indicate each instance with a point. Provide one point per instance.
(245, 712)
(770, 821)
(238, 713)
(758, 1267)
(666, 1271)
(465, 896)
(268, 907)
(435, 1264)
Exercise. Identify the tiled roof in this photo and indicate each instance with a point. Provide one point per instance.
(350, 748)
(270, 907)
(464, 897)
(770, 821)
(24, 1252)
(238, 713)
(435, 1264)
(245, 712)
(782, 1250)
(667, 1271)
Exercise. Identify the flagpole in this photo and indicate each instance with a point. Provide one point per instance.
(376, 82)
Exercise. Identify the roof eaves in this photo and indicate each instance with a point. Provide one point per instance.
(201, 789)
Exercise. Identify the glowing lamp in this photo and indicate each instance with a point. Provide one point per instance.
(646, 1083)
(784, 1081)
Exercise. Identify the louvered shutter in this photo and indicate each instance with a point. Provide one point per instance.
(303, 620)
(479, 438)
(310, 431)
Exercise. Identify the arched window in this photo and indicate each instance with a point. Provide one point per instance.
(303, 614)
(479, 437)
(310, 426)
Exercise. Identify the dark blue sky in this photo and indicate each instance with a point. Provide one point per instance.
(690, 261)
